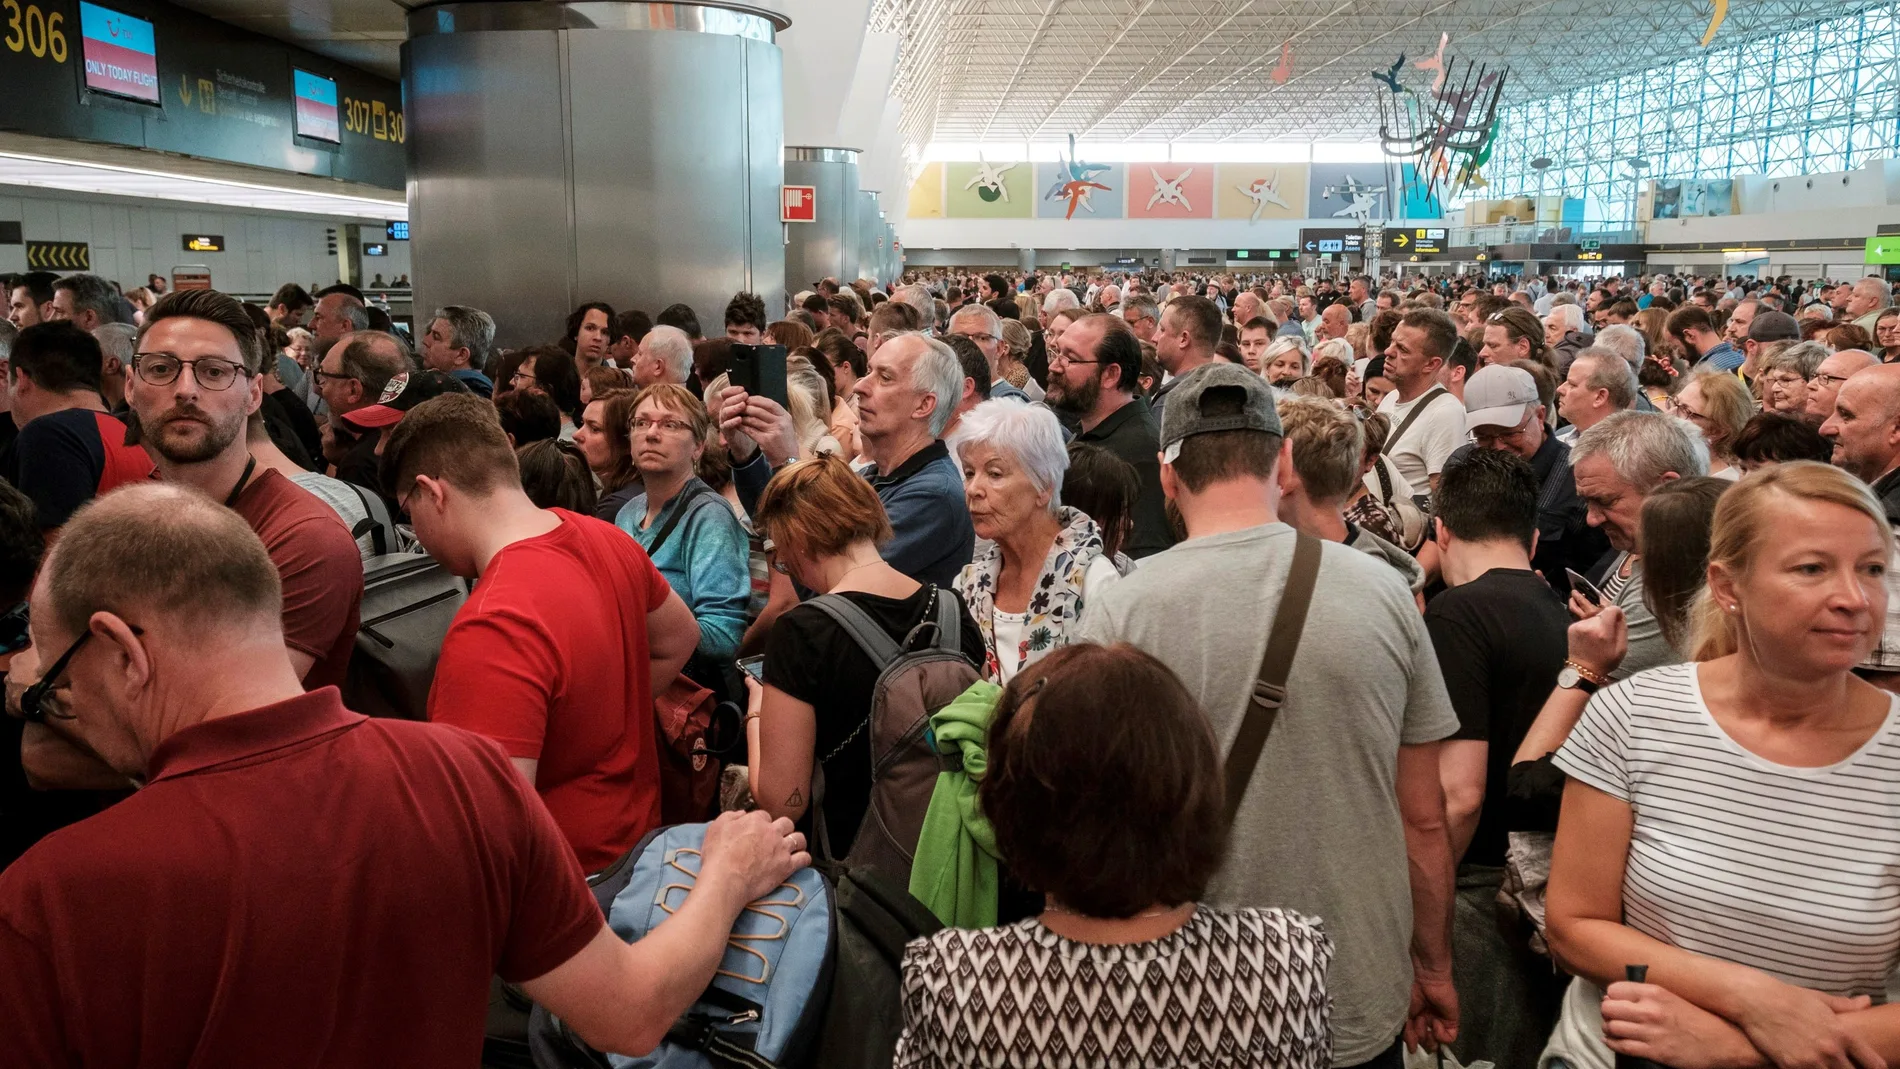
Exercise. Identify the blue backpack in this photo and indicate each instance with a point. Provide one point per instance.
(766, 1004)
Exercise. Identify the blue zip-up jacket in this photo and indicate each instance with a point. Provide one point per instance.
(704, 560)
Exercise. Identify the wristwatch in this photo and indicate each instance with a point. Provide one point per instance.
(1576, 677)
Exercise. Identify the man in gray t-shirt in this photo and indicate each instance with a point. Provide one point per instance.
(1344, 817)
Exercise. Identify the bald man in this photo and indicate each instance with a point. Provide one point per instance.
(1826, 383)
(199, 921)
(1865, 429)
(1333, 322)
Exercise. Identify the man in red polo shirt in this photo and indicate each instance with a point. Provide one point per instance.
(297, 885)
(556, 654)
(70, 449)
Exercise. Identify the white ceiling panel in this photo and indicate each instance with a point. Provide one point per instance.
(1203, 70)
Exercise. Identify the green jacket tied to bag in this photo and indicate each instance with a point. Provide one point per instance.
(955, 868)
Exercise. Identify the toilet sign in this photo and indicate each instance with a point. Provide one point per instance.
(798, 204)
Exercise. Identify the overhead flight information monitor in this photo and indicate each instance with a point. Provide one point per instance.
(120, 52)
(316, 106)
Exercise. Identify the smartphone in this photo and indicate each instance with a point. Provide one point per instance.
(1585, 587)
(754, 667)
(761, 370)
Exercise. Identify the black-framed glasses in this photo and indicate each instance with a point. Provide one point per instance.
(34, 707)
(1059, 357)
(210, 372)
(322, 374)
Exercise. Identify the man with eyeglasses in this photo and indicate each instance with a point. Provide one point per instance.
(1143, 316)
(292, 876)
(355, 373)
(1093, 372)
(193, 387)
(70, 449)
(571, 631)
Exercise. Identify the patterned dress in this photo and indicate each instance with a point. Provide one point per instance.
(1231, 988)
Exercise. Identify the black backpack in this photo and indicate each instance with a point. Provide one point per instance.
(408, 603)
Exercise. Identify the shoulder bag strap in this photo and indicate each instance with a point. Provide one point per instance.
(687, 497)
(375, 521)
(1405, 424)
(866, 632)
(1385, 479)
(949, 629)
(1269, 691)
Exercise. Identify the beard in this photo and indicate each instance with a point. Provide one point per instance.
(1075, 400)
(176, 443)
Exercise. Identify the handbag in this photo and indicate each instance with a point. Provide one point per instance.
(684, 717)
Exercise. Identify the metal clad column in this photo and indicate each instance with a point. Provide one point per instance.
(868, 224)
(822, 247)
(1025, 260)
(602, 150)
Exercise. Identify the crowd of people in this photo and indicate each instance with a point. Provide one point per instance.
(1366, 664)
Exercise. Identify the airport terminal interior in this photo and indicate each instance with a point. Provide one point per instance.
(830, 534)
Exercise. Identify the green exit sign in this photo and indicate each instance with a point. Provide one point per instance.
(1884, 249)
(1590, 244)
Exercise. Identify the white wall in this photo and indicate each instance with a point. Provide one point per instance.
(131, 238)
(1848, 205)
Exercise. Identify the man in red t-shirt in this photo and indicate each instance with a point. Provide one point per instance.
(297, 885)
(193, 386)
(70, 449)
(557, 653)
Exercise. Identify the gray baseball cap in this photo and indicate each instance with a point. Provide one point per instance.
(1770, 325)
(1185, 413)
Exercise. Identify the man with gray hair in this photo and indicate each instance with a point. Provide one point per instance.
(1869, 298)
(1626, 341)
(1563, 332)
(457, 342)
(919, 298)
(905, 401)
(1617, 463)
(88, 301)
(665, 355)
(336, 314)
(117, 342)
(1143, 315)
(1599, 385)
(983, 327)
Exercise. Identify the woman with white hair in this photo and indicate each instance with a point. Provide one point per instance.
(1285, 362)
(1036, 559)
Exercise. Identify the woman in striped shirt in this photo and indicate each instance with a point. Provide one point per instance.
(1733, 823)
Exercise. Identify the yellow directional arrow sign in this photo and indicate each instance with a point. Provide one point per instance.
(58, 256)
(1401, 240)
